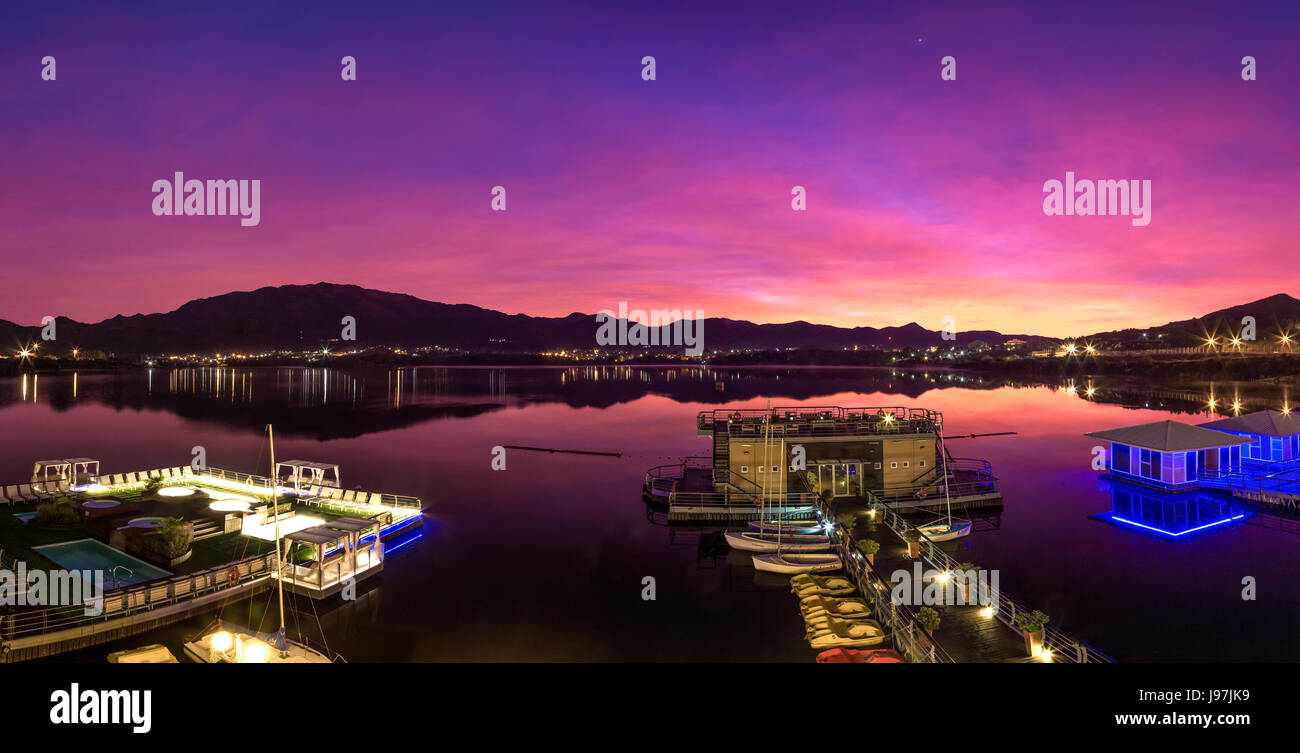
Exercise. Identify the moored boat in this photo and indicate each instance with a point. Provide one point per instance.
(154, 653)
(786, 527)
(946, 530)
(860, 656)
(768, 542)
(226, 644)
(796, 562)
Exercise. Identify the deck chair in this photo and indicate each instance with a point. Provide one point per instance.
(350, 496)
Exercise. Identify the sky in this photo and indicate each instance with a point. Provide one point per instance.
(924, 196)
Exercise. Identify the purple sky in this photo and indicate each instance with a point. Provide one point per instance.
(924, 196)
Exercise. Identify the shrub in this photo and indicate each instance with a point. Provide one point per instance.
(172, 538)
(152, 484)
(868, 546)
(59, 513)
(928, 619)
(911, 535)
(1032, 622)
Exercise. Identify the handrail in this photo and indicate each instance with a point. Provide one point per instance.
(1064, 647)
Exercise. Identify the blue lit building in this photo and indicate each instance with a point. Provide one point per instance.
(1170, 455)
(1273, 435)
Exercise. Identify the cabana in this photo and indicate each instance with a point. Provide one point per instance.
(1273, 435)
(65, 473)
(1170, 455)
(306, 473)
(339, 551)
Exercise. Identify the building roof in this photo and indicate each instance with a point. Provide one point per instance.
(1169, 436)
(1273, 423)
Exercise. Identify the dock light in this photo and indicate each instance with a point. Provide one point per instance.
(1212, 403)
(942, 577)
(1210, 341)
(1236, 342)
(1285, 339)
(1071, 349)
(1046, 656)
(889, 418)
(1236, 407)
(1089, 349)
(987, 612)
(1089, 391)
(222, 641)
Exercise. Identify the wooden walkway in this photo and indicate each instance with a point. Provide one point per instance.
(964, 632)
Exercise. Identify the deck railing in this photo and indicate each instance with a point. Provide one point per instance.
(822, 421)
(1064, 647)
(130, 600)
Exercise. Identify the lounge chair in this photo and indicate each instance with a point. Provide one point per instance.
(350, 495)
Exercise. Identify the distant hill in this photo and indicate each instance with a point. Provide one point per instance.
(1273, 315)
(304, 317)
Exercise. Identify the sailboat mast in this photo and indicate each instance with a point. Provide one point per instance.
(279, 562)
(943, 457)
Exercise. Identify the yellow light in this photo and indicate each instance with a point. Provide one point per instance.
(986, 612)
(222, 641)
(1213, 403)
(1286, 338)
(1236, 341)
(1090, 391)
(1071, 349)
(1210, 341)
(1046, 656)
(1090, 349)
(254, 653)
(943, 577)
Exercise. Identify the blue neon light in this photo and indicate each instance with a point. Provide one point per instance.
(1179, 533)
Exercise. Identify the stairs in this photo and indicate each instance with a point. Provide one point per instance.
(206, 529)
(721, 452)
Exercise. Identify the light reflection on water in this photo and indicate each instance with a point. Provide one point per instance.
(545, 559)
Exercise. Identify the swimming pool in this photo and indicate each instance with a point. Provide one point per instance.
(91, 554)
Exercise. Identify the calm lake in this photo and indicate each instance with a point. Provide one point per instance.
(545, 560)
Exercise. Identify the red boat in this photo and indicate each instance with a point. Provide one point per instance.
(859, 656)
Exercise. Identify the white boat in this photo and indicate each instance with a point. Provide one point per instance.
(786, 527)
(154, 653)
(946, 530)
(796, 562)
(226, 644)
(769, 542)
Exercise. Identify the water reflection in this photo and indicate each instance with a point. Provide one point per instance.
(1168, 514)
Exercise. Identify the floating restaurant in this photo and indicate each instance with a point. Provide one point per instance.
(172, 542)
(786, 458)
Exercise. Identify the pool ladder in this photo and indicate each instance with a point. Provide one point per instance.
(113, 572)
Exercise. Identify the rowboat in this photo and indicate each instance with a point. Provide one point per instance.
(769, 542)
(796, 562)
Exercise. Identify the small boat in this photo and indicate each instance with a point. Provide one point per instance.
(805, 585)
(859, 656)
(946, 530)
(787, 527)
(234, 645)
(817, 606)
(154, 653)
(768, 542)
(846, 634)
(796, 562)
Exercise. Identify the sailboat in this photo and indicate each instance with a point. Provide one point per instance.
(946, 529)
(788, 559)
(751, 541)
(234, 644)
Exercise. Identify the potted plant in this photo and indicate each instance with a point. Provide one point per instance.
(967, 575)
(1032, 624)
(869, 547)
(58, 514)
(913, 539)
(928, 619)
(847, 521)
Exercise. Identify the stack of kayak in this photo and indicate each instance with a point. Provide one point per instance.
(833, 618)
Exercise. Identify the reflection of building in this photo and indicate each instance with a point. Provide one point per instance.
(1169, 514)
(1273, 435)
(1170, 455)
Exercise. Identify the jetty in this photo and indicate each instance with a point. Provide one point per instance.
(332, 537)
(985, 631)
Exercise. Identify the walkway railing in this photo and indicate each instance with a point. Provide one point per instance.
(1064, 647)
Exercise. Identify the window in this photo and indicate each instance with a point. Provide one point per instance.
(919, 464)
(1119, 454)
(775, 469)
(893, 465)
(906, 464)
(743, 469)
(760, 470)
(1146, 464)
(877, 466)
